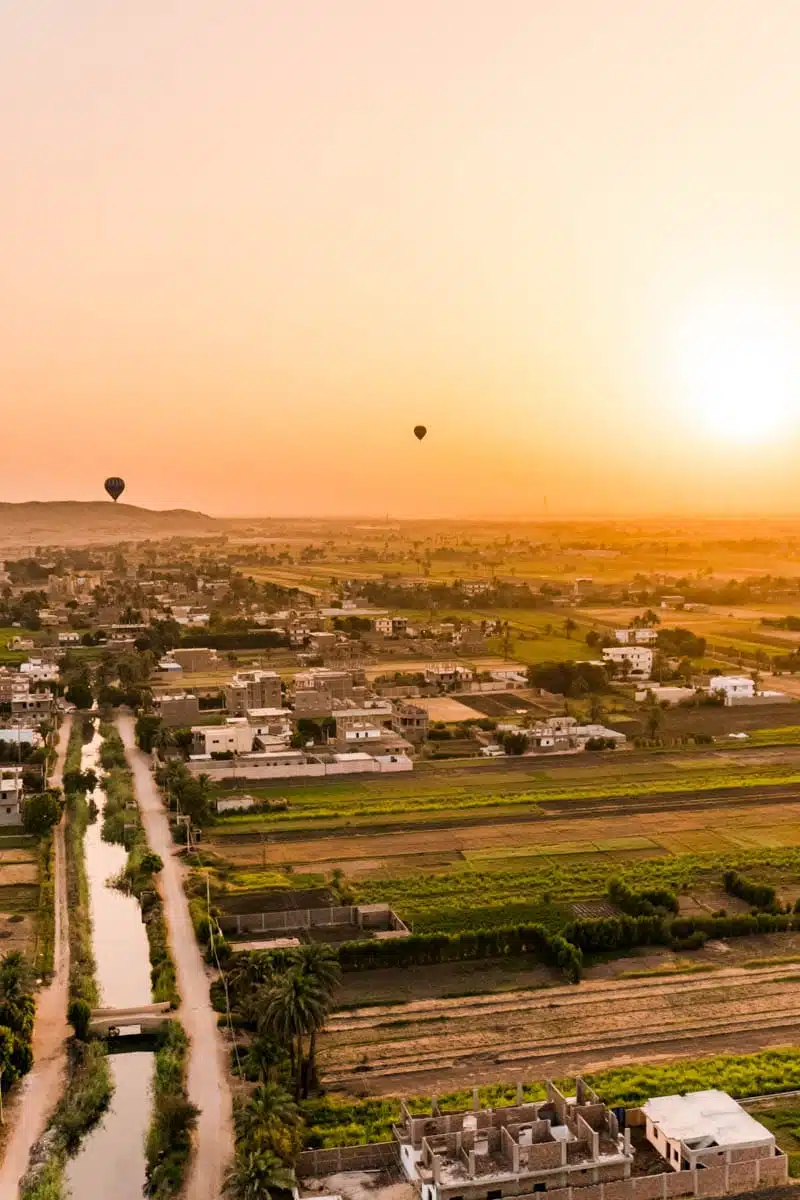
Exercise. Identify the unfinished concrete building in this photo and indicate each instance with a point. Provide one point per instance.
(487, 1154)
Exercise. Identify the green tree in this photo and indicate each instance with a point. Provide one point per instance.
(79, 693)
(256, 1175)
(79, 1015)
(270, 1120)
(654, 718)
(569, 627)
(40, 813)
(296, 1007)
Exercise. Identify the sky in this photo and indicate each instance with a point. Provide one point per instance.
(247, 246)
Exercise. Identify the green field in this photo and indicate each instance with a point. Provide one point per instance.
(340, 1121)
(538, 888)
(449, 787)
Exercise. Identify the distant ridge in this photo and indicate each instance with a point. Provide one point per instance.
(77, 522)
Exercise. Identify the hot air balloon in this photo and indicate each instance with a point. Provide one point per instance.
(115, 487)
(420, 431)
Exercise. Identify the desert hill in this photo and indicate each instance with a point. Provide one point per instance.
(79, 522)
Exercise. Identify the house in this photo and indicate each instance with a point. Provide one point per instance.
(674, 601)
(733, 687)
(410, 721)
(194, 658)
(169, 665)
(236, 736)
(556, 1143)
(391, 626)
(705, 1129)
(252, 689)
(476, 587)
(337, 684)
(512, 676)
(447, 673)
(10, 795)
(179, 710)
(36, 704)
(190, 617)
(39, 671)
(469, 637)
(639, 637)
(12, 684)
(664, 694)
(636, 660)
(21, 643)
(69, 637)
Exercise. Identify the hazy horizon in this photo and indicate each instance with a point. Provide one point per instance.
(248, 248)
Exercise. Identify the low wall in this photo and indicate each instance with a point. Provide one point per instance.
(348, 916)
(375, 1157)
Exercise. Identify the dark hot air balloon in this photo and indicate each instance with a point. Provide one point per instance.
(115, 487)
(420, 431)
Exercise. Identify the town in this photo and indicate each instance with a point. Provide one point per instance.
(449, 785)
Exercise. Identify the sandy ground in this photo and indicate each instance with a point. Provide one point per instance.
(444, 708)
(207, 1076)
(30, 1109)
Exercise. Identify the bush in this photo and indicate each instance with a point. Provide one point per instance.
(760, 895)
(79, 1015)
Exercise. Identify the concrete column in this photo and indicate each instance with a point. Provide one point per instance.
(471, 1164)
(663, 1183)
(437, 1170)
(519, 1095)
(563, 1146)
(476, 1104)
(627, 1140)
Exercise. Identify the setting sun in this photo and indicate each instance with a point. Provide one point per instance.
(737, 369)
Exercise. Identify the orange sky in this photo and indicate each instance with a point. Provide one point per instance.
(246, 246)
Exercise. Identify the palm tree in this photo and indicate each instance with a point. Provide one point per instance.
(319, 964)
(269, 1106)
(296, 1007)
(263, 1057)
(255, 1174)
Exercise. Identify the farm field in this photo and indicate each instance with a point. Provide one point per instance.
(514, 784)
(19, 892)
(434, 1045)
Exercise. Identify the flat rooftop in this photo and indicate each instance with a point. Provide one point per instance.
(712, 1118)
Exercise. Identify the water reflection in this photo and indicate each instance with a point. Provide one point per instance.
(111, 1160)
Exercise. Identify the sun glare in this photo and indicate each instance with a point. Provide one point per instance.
(737, 370)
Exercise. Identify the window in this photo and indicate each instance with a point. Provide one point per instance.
(494, 1195)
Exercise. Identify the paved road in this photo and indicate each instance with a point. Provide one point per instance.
(207, 1076)
(41, 1089)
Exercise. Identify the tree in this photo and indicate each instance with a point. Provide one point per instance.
(569, 627)
(514, 743)
(79, 1014)
(319, 964)
(256, 1174)
(80, 781)
(148, 729)
(271, 1121)
(596, 710)
(40, 813)
(79, 693)
(653, 718)
(296, 1007)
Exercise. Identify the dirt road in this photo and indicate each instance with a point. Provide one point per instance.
(207, 1078)
(30, 1110)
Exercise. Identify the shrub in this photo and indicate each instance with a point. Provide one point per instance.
(79, 1015)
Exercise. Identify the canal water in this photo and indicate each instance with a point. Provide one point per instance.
(111, 1160)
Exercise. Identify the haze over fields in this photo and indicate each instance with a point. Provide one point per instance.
(248, 247)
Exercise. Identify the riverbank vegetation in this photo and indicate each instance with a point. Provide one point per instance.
(88, 1084)
(174, 1117)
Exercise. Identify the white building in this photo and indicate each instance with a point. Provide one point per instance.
(638, 637)
(10, 795)
(391, 626)
(638, 658)
(667, 693)
(684, 1127)
(733, 687)
(39, 671)
(69, 638)
(236, 736)
(447, 673)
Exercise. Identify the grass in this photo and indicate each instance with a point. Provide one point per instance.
(173, 1118)
(460, 789)
(784, 1121)
(540, 888)
(338, 1121)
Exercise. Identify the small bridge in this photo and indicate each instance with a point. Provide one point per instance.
(108, 1022)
